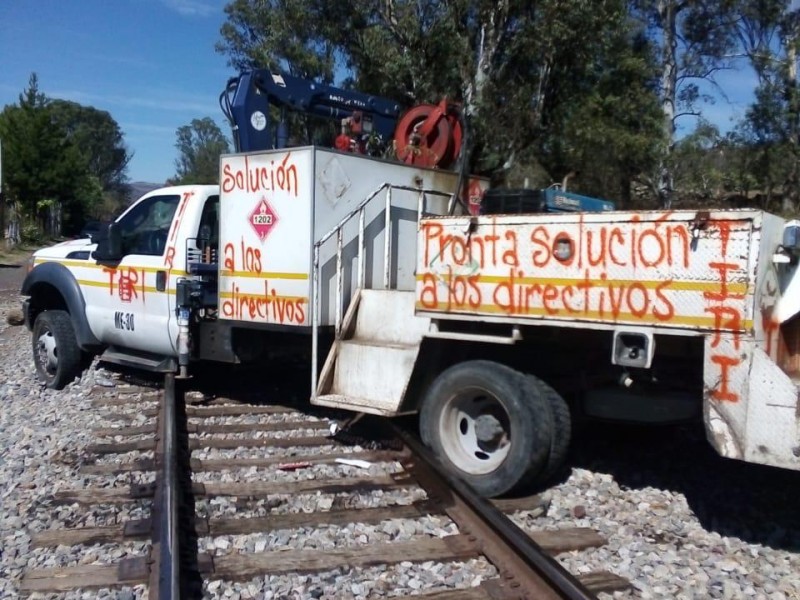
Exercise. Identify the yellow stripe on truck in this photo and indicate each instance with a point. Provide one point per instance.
(84, 264)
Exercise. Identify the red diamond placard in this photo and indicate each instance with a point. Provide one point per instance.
(263, 218)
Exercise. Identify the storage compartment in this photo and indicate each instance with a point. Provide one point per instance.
(500, 201)
(276, 205)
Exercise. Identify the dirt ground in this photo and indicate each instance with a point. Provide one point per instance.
(12, 270)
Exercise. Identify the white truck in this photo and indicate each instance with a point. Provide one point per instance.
(484, 324)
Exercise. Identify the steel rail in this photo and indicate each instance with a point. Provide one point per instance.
(525, 568)
(165, 569)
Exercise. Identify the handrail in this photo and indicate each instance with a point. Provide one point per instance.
(387, 238)
(363, 203)
(338, 230)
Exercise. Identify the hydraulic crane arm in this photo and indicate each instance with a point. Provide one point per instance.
(247, 99)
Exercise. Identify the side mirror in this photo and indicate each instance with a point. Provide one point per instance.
(109, 248)
(791, 237)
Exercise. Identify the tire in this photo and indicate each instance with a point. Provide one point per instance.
(55, 350)
(562, 426)
(87, 358)
(476, 418)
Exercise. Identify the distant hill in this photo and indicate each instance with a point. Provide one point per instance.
(140, 188)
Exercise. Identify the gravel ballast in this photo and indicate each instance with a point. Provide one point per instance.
(680, 521)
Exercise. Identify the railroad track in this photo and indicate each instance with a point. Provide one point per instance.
(207, 477)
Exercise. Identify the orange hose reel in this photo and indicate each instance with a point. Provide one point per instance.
(429, 135)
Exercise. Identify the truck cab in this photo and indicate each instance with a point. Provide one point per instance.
(226, 273)
(117, 291)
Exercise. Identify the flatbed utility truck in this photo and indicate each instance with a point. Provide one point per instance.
(495, 328)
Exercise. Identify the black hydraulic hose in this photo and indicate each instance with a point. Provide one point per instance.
(462, 171)
(225, 106)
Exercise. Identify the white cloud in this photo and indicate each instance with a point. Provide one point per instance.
(169, 103)
(192, 8)
(147, 128)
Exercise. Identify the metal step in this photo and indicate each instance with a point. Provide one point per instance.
(370, 371)
(352, 403)
(140, 360)
(376, 374)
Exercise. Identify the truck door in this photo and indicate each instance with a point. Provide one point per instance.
(131, 308)
(200, 246)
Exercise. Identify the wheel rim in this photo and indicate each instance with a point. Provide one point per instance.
(46, 352)
(475, 431)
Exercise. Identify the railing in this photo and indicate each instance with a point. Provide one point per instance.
(338, 230)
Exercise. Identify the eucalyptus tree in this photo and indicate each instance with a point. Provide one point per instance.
(518, 68)
(769, 33)
(696, 38)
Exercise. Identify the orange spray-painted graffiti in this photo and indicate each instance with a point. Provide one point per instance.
(127, 283)
(169, 255)
(247, 259)
(727, 317)
(457, 263)
(640, 271)
(266, 307)
(276, 176)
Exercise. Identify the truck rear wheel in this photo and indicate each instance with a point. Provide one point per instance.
(486, 426)
(55, 350)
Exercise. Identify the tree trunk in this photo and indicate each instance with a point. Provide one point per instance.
(13, 226)
(669, 81)
(491, 32)
(54, 220)
(791, 192)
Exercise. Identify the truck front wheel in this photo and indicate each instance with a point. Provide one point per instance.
(55, 349)
(480, 418)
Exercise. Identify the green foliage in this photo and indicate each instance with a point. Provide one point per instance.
(589, 88)
(252, 36)
(58, 152)
(200, 145)
(521, 69)
(32, 234)
(612, 134)
(700, 161)
(37, 157)
(98, 137)
(770, 32)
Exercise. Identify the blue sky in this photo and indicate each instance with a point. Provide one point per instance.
(152, 65)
